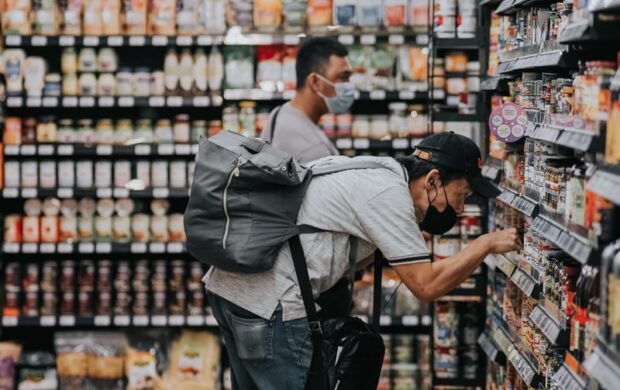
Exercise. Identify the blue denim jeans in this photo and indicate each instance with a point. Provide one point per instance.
(264, 354)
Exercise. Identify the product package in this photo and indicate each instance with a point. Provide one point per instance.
(111, 17)
(71, 17)
(269, 67)
(46, 17)
(212, 16)
(319, 13)
(345, 13)
(240, 13)
(359, 58)
(37, 371)
(9, 355)
(93, 25)
(187, 17)
(267, 14)
(162, 17)
(16, 17)
(294, 14)
(72, 359)
(370, 14)
(135, 12)
(395, 14)
(239, 65)
(146, 360)
(412, 66)
(289, 75)
(382, 68)
(194, 362)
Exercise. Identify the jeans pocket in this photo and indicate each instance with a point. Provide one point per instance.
(253, 337)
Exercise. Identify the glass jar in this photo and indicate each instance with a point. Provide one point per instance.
(88, 84)
(87, 61)
(46, 130)
(163, 131)
(214, 128)
(230, 117)
(142, 82)
(86, 132)
(52, 84)
(29, 131)
(360, 127)
(124, 131)
(106, 85)
(105, 132)
(107, 61)
(199, 128)
(398, 119)
(181, 129)
(144, 131)
(69, 61)
(66, 132)
(158, 83)
(247, 119)
(70, 86)
(124, 82)
(379, 127)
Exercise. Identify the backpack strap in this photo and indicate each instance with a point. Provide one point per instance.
(376, 291)
(274, 118)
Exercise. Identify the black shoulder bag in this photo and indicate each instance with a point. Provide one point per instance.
(348, 354)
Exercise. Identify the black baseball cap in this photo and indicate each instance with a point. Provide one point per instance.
(460, 154)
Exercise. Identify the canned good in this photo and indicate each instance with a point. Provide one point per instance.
(85, 174)
(105, 132)
(103, 174)
(49, 229)
(31, 231)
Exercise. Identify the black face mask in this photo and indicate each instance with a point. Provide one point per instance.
(438, 222)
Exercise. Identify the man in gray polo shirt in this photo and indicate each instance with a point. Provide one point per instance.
(262, 316)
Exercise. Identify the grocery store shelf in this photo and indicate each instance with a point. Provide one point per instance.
(491, 350)
(375, 95)
(453, 116)
(490, 2)
(107, 321)
(507, 7)
(593, 30)
(528, 285)
(604, 366)
(112, 151)
(518, 202)
(577, 139)
(458, 43)
(344, 143)
(94, 248)
(565, 378)
(570, 242)
(505, 265)
(524, 368)
(118, 193)
(458, 382)
(544, 60)
(407, 321)
(111, 41)
(556, 333)
(112, 101)
(237, 37)
(605, 182)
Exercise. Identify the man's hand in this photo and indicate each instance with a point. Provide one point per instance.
(503, 241)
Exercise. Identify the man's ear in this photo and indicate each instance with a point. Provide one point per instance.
(432, 179)
(312, 82)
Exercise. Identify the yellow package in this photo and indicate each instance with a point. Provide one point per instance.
(194, 362)
(267, 14)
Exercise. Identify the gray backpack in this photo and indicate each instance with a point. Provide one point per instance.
(244, 202)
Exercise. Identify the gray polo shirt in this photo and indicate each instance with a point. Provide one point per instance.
(297, 135)
(372, 204)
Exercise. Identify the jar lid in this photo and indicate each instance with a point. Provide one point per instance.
(163, 123)
(87, 51)
(160, 207)
(105, 207)
(216, 123)
(87, 207)
(69, 207)
(199, 123)
(125, 123)
(86, 122)
(144, 122)
(104, 122)
(66, 122)
(33, 207)
(124, 207)
(51, 207)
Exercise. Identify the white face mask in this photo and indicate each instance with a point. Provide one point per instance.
(345, 95)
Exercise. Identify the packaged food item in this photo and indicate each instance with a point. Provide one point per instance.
(359, 58)
(71, 359)
(34, 75)
(319, 13)
(105, 360)
(239, 67)
(162, 17)
(163, 131)
(187, 17)
(29, 131)
(413, 67)
(9, 355)
(14, 63)
(11, 174)
(159, 173)
(37, 370)
(16, 17)
(294, 14)
(175, 227)
(212, 16)
(201, 66)
(240, 13)
(382, 65)
(612, 141)
(29, 174)
(269, 69)
(171, 65)
(158, 83)
(52, 84)
(68, 221)
(85, 174)
(395, 13)
(216, 69)
(194, 361)
(267, 14)
(145, 356)
(370, 14)
(345, 13)
(289, 75)
(93, 25)
(159, 220)
(135, 16)
(71, 17)
(12, 131)
(46, 17)
(141, 82)
(186, 71)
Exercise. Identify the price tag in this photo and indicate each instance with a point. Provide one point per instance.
(28, 193)
(157, 101)
(184, 40)
(377, 95)
(104, 150)
(385, 320)
(121, 193)
(9, 322)
(126, 101)
(70, 101)
(137, 41)
(10, 193)
(47, 321)
(47, 248)
(406, 95)
(15, 102)
(11, 150)
(368, 39)
(115, 41)
(103, 247)
(426, 320)
(346, 39)
(159, 40)
(195, 149)
(157, 247)
(10, 247)
(65, 248)
(67, 320)
(396, 39)
(38, 40)
(344, 143)
(33, 102)
(140, 320)
(361, 143)
(217, 101)
(161, 193)
(28, 150)
(142, 150)
(90, 41)
(138, 247)
(176, 320)
(201, 101)
(66, 40)
(104, 192)
(13, 40)
(46, 150)
(175, 247)
(159, 320)
(174, 101)
(182, 149)
(65, 150)
(210, 321)
(121, 320)
(195, 320)
(106, 101)
(421, 40)
(205, 40)
(65, 193)
(86, 247)
(87, 101)
(102, 321)
(411, 320)
(165, 150)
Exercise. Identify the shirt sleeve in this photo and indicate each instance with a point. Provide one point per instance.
(389, 221)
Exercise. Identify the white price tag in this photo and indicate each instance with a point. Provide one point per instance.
(121, 193)
(210, 321)
(176, 320)
(10, 247)
(195, 149)
(65, 193)
(421, 39)
(30, 248)
(411, 320)
(104, 192)
(361, 143)
(396, 39)
(142, 150)
(121, 320)
(138, 247)
(165, 150)
(50, 101)
(104, 150)
(368, 39)
(86, 247)
(184, 40)
(161, 193)
(385, 320)
(174, 101)
(406, 95)
(426, 320)
(346, 39)
(115, 41)
(217, 101)
(28, 193)
(87, 101)
(70, 101)
(137, 41)
(159, 320)
(11, 150)
(291, 40)
(66, 40)
(91, 41)
(159, 40)
(28, 150)
(65, 150)
(157, 101)
(9, 321)
(102, 321)
(175, 247)
(47, 321)
(103, 247)
(47, 248)
(46, 150)
(65, 248)
(14, 102)
(344, 143)
(157, 247)
(140, 320)
(13, 40)
(195, 320)
(201, 101)
(106, 101)
(38, 40)
(205, 40)
(10, 193)
(182, 149)
(67, 320)
(400, 143)
(33, 102)
(377, 95)
(126, 101)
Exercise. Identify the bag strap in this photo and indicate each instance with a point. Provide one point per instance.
(276, 112)
(301, 269)
(376, 291)
(353, 241)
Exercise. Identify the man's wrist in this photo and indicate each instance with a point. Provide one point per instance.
(487, 244)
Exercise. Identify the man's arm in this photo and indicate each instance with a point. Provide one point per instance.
(429, 281)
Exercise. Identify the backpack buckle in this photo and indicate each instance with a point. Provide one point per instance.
(315, 328)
